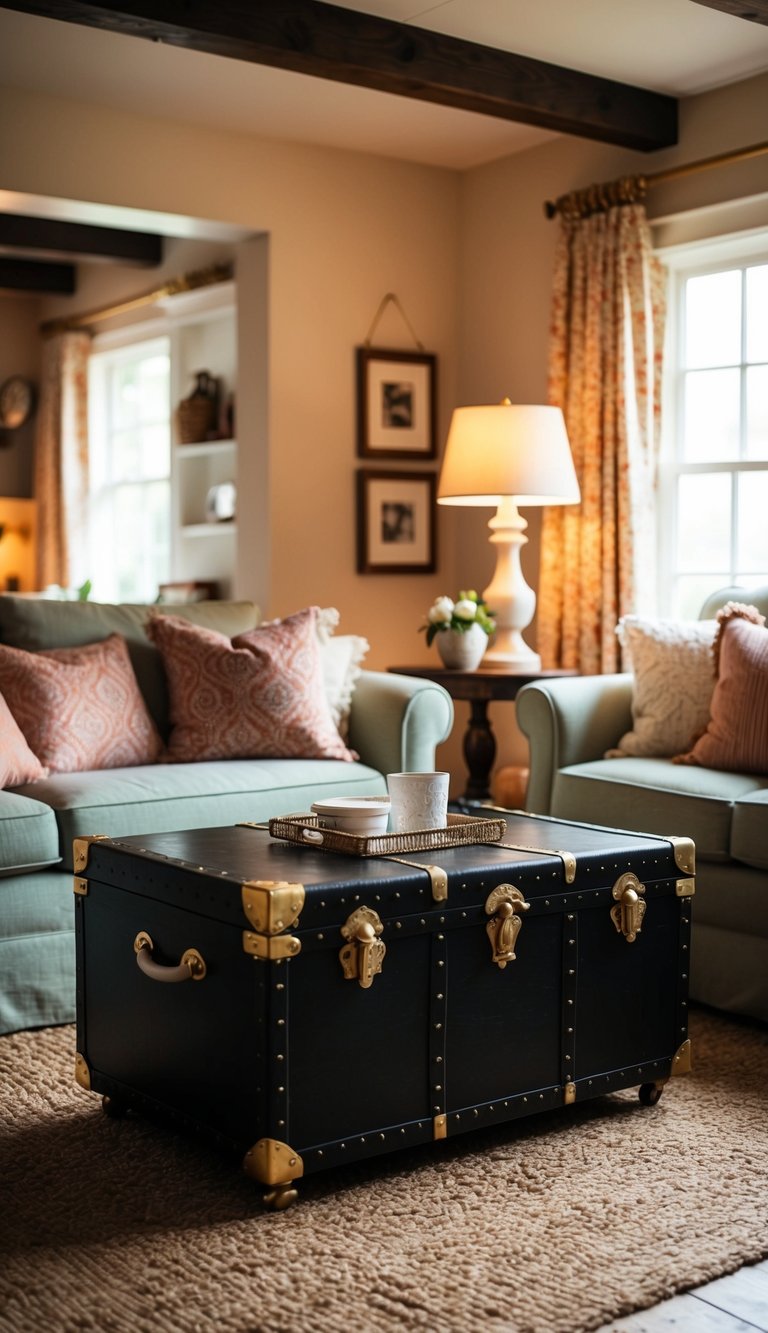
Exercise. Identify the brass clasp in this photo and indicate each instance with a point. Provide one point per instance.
(627, 915)
(362, 958)
(503, 906)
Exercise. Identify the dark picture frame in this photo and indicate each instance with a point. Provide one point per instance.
(396, 529)
(396, 398)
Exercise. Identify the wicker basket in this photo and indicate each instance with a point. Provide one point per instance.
(460, 831)
(197, 417)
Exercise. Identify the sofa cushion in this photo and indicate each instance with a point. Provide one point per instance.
(40, 623)
(749, 834)
(163, 797)
(29, 837)
(736, 736)
(80, 708)
(673, 680)
(17, 762)
(260, 694)
(656, 796)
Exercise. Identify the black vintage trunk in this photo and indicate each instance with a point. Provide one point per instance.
(281, 1056)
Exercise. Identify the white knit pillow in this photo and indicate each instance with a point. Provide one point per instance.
(674, 679)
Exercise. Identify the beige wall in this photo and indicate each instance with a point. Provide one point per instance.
(343, 229)
(507, 249)
(19, 355)
(470, 258)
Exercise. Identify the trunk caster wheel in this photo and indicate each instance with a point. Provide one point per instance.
(282, 1196)
(650, 1093)
(113, 1107)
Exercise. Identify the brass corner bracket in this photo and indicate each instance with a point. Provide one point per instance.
(681, 1061)
(82, 850)
(271, 905)
(272, 1163)
(684, 852)
(82, 1072)
(440, 1127)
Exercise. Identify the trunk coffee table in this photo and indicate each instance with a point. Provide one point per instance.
(307, 1007)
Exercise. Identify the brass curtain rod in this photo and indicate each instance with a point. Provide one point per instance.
(189, 282)
(631, 188)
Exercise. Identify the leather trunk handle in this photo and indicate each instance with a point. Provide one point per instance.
(191, 966)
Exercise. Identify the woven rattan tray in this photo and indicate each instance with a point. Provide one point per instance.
(461, 831)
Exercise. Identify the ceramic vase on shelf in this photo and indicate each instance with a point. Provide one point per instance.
(462, 650)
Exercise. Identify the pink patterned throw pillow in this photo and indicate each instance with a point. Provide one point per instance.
(80, 708)
(736, 736)
(17, 762)
(258, 695)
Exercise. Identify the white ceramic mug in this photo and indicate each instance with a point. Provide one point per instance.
(419, 801)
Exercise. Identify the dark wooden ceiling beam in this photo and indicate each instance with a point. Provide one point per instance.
(51, 239)
(754, 10)
(341, 44)
(28, 275)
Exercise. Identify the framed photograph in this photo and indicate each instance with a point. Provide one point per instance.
(396, 522)
(396, 404)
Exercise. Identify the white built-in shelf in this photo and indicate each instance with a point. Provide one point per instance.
(205, 448)
(207, 529)
(203, 337)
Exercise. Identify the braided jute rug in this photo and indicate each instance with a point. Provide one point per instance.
(550, 1225)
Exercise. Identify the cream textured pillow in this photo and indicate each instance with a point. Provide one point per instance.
(673, 683)
(258, 695)
(736, 738)
(80, 708)
(17, 762)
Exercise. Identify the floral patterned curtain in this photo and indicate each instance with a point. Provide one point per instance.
(598, 558)
(61, 455)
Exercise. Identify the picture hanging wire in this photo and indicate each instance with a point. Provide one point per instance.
(385, 300)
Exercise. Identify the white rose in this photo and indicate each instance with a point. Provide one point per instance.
(465, 610)
(440, 611)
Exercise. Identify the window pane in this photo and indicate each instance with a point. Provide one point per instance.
(757, 412)
(124, 396)
(152, 386)
(694, 589)
(752, 544)
(713, 319)
(757, 313)
(711, 416)
(703, 523)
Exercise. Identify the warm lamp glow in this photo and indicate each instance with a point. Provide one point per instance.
(508, 455)
(17, 546)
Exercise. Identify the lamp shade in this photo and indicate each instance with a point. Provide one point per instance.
(508, 450)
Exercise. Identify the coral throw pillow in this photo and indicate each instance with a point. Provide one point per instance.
(258, 695)
(17, 762)
(80, 708)
(736, 737)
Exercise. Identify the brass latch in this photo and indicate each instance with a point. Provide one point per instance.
(627, 915)
(363, 956)
(503, 906)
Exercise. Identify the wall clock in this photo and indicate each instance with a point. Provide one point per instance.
(17, 402)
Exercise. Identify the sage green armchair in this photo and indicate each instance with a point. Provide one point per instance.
(570, 723)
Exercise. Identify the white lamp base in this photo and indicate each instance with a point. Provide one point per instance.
(508, 595)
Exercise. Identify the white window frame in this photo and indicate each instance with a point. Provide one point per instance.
(684, 262)
(108, 350)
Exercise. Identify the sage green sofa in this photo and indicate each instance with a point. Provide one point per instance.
(570, 723)
(395, 723)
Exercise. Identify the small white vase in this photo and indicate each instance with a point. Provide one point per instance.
(462, 650)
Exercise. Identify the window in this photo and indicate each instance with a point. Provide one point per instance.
(714, 475)
(129, 509)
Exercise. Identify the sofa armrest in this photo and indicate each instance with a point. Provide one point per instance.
(570, 720)
(396, 722)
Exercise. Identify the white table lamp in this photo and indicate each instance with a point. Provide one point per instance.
(508, 455)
